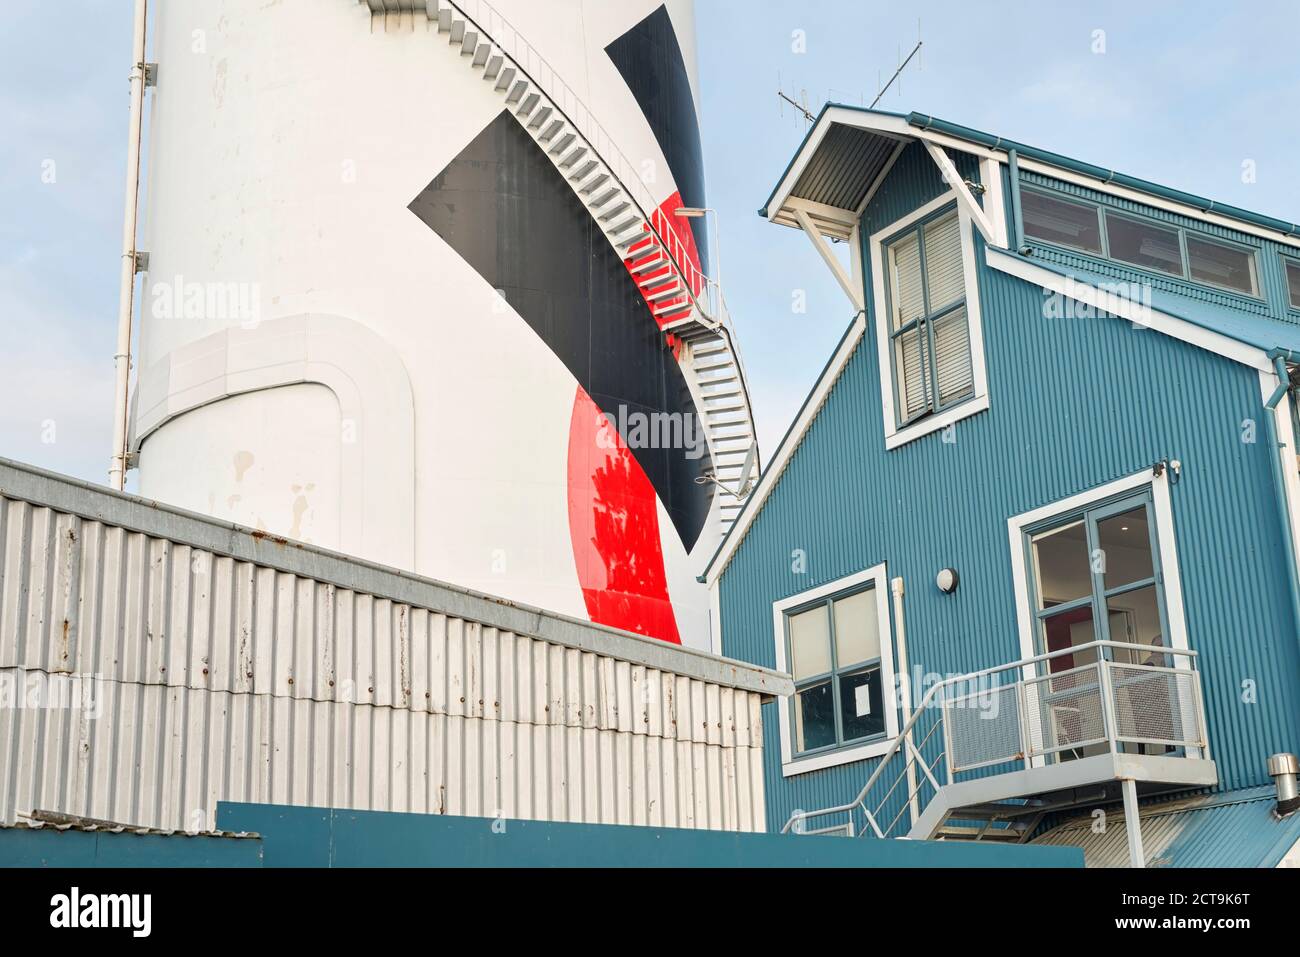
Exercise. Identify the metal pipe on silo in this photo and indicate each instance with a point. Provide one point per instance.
(126, 294)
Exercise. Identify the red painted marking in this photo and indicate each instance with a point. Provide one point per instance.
(691, 254)
(614, 527)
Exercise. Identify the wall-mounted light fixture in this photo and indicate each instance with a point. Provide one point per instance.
(947, 580)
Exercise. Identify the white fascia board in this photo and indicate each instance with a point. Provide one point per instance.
(807, 415)
(1268, 383)
(1135, 312)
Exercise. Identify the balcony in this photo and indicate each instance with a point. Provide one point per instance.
(985, 756)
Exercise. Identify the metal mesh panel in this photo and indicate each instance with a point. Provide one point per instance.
(983, 728)
(1155, 703)
(1064, 709)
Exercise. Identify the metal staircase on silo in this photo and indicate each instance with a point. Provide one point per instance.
(686, 304)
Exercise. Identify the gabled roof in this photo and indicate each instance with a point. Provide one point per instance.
(849, 149)
(848, 142)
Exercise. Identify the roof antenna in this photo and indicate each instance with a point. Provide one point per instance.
(901, 66)
(801, 104)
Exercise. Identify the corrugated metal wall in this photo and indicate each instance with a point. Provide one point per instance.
(225, 679)
(1075, 403)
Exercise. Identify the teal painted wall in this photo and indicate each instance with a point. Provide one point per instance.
(1075, 403)
(320, 837)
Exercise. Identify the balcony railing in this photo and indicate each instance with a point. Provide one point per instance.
(1101, 698)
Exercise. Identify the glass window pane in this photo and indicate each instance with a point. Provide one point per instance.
(912, 369)
(1069, 629)
(1221, 265)
(943, 272)
(1144, 244)
(1061, 221)
(814, 717)
(862, 704)
(810, 643)
(1125, 543)
(906, 299)
(857, 629)
(954, 374)
(1061, 566)
(1293, 283)
(1135, 618)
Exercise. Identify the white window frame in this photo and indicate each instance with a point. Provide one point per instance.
(894, 435)
(1164, 516)
(790, 764)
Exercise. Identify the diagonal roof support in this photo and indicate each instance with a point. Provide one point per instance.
(852, 290)
(954, 179)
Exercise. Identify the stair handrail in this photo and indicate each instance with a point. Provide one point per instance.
(694, 278)
(727, 331)
(900, 739)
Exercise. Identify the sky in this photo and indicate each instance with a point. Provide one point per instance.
(1179, 93)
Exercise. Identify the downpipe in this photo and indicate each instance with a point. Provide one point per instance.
(1275, 445)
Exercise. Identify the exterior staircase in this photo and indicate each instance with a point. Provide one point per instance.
(987, 755)
(686, 304)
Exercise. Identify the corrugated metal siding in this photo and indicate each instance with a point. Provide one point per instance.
(1074, 404)
(230, 680)
(1238, 829)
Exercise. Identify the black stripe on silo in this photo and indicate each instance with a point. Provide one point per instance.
(650, 60)
(504, 207)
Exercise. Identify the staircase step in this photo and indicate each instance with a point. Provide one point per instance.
(672, 289)
(621, 227)
(599, 201)
(481, 54)
(529, 104)
(561, 142)
(445, 16)
(638, 243)
(710, 366)
(663, 309)
(579, 174)
(516, 92)
(469, 44)
(540, 117)
(657, 261)
(493, 68)
(595, 182)
(457, 32)
(618, 209)
(575, 154)
(505, 79)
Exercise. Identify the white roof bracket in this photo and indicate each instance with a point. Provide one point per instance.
(954, 179)
(836, 267)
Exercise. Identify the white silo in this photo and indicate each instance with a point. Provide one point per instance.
(417, 291)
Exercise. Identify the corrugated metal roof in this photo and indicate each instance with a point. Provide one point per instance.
(107, 828)
(844, 166)
(1234, 829)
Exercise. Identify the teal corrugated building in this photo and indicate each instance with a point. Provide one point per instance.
(1029, 550)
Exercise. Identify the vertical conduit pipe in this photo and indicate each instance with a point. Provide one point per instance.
(126, 291)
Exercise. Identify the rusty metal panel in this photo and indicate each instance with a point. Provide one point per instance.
(217, 676)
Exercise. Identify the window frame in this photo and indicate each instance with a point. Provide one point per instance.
(1104, 210)
(1099, 596)
(897, 431)
(1078, 201)
(1164, 555)
(1288, 260)
(928, 316)
(856, 749)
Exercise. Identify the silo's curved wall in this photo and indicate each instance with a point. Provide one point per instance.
(380, 320)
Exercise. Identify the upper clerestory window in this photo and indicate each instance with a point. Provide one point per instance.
(1293, 283)
(1171, 250)
(1054, 219)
